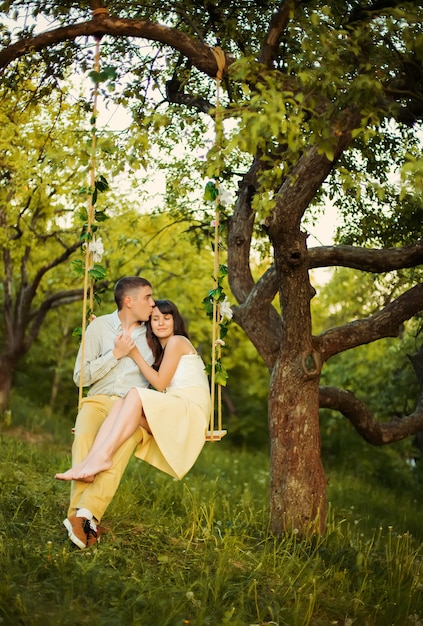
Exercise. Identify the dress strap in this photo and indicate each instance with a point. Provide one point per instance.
(194, 350)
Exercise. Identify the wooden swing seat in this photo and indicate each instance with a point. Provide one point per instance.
(215, 435)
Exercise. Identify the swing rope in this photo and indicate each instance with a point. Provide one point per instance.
(88, 283)
(215, 432)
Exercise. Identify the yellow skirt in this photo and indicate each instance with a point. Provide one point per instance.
(178, 420)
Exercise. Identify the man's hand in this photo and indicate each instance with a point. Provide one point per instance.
(123, 345)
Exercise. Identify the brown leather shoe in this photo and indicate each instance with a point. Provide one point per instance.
(93, 536)
(80, 531)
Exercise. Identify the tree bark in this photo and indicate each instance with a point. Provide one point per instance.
(200, 55)
(297, 478)
(61, 353)
(297, 483)
(6, 378)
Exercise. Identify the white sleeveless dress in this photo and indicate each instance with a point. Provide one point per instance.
(178, 419)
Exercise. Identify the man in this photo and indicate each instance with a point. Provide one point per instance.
(109, 373)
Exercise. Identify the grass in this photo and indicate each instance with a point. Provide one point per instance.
(198, 552)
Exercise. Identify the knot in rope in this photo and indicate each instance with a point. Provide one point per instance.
(104, 11)
(219, 55)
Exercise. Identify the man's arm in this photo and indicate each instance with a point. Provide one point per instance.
(95, 356)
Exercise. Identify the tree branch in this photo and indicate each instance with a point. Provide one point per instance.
(264, 332)
(31, 289)
(364, 259)
(366, 425)
(241, 226)
(278, 23)
(176, 95)
(306, 176)
(57, 299)
(385, 323)
(200, 55)
(255, 298)
(367, 259)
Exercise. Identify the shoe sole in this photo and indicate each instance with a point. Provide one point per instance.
(72, 536)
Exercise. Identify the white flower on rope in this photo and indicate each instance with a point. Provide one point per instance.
(225, 310)
(96, 248)
(225, 197)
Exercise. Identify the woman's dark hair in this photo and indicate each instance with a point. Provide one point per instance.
(167, 307)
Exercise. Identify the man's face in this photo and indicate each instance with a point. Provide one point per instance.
(141, 303)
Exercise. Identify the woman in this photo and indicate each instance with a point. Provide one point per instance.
(173, 416)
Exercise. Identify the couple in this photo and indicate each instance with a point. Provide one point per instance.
(142, 343)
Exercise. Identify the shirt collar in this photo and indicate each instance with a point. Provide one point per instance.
(116, 320)
(118, 325)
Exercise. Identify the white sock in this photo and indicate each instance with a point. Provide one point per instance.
(87, 513)
(84, 513)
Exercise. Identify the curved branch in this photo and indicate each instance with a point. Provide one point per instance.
(175, 94)
(385, 323)
(260, 299)
(373, 260)
(376, 433)
(241, 226)
(367, 259)
(263, 331)
(306, 176)
(255, 298)
(278, 23)
(31, 289)
(57, 299)
(200, 55)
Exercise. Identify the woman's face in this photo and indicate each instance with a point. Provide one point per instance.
(162, 324)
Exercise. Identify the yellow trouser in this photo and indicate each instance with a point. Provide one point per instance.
(97, 496)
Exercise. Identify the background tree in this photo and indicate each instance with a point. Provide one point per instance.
(321, 98)
(38, 226)
(45, 157)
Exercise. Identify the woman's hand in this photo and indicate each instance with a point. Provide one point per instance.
(124, 344)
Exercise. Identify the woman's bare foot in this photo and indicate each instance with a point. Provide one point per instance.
(92, 468)
(72, 472)
(71, 475)
(87, 470)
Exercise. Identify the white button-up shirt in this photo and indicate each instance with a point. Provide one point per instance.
(102, 372)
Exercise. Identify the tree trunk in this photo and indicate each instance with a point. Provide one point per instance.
(297, 481)
(297, 478)
(60, 360)
(6, 377)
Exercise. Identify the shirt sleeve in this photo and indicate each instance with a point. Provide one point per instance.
(96, 365)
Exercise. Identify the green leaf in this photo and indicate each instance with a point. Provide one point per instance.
(107, 73)
(224, 328)
(78, 267)
(101, 184)
(211, 192)
(223, 271)
(100, 216)
(221, 375)
(97, 272)
(216, 294)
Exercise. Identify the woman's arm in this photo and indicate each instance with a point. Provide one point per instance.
(175, 348)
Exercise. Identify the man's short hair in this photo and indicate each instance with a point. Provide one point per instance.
(127, 284)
